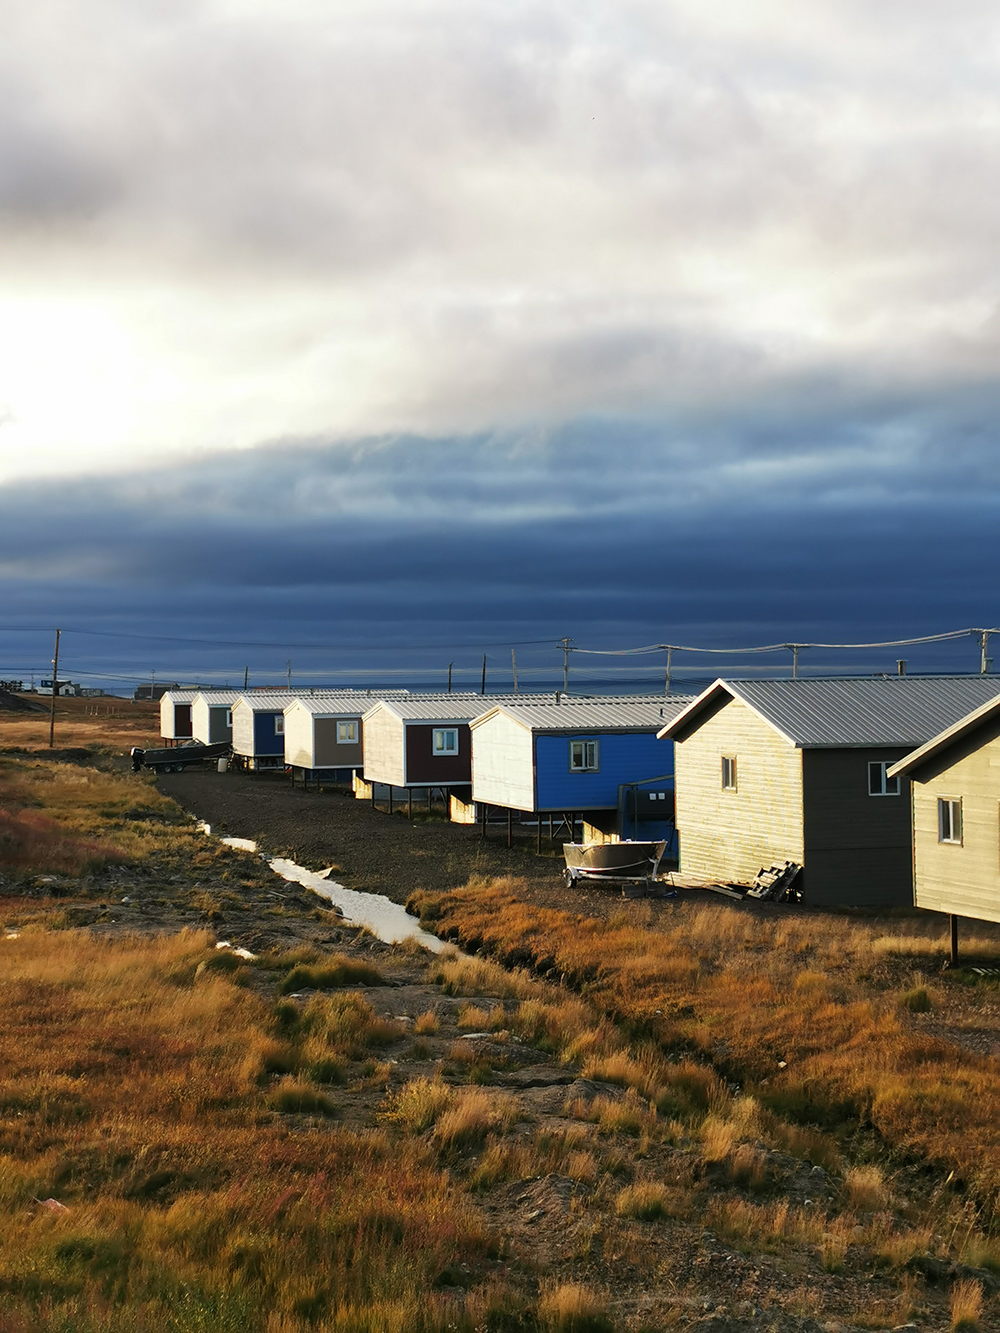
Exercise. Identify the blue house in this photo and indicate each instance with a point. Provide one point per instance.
(597, 758)
(259, 729)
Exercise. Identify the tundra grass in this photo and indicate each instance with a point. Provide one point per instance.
(804, 1012)
(150, 1176)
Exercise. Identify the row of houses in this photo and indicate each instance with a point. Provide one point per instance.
(886, 791)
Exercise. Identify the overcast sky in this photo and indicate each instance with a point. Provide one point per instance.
(436, 321)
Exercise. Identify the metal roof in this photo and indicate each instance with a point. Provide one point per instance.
(957, 731)
(264, 702)
(610, 714)
(852, 711)
(335, 705)
(440, 707)
(180, 696)
(216, 698)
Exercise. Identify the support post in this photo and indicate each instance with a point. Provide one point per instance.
(483, 808)
(373, 794)
(390, 798)
(55, 692)
(409, 804)
(538, 835)
(954, 940)
(510, 826)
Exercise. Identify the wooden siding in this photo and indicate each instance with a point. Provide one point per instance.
(383, 748)
(331, 753)
(298, 738)
(963, 880)
(218, 728)
(267, 740)
(243, 737)
(729, 835)
(425, 768)
(857, 847)
(503, 764)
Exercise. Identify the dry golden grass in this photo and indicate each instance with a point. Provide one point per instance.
(966, 1304)
(647, 1201)
(426, 1023)
(793, 999)
(472, 1116)
(865, 1188)
(136, 1093)
(112, 724)
(573, 1308)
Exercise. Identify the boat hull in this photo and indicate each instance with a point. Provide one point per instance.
(613, 859)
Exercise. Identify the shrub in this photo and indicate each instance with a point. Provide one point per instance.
(337, 971)
(865, 1188)
(966, 1304)
(426, 1023)
(474, 1114)
(418, 1104)
(647, 1201)
(917, 1000)
(573, 1308)
(292, 1095)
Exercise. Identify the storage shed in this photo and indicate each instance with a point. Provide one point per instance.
(211, 715)
(573, 755)
(422, 740)
(175, 715)
(955, 807)
(324, 733)
(801, 770)
(259, 729)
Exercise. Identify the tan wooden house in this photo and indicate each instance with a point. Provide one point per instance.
(955, 797)
(802, 770)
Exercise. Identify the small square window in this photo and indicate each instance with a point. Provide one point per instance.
(229, 717)
(878, 783)
(446, 740)
(728, 772)
(949, 820)
(347, 733)
(583, 756)
(279, 725)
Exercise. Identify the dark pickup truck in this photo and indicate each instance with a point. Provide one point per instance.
(178, 758)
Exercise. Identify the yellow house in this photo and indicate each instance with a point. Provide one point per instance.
(955, 784)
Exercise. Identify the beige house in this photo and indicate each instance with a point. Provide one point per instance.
(802, 770)
(955, 786)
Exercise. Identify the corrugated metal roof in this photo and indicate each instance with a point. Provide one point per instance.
(625, 713)
(336, 705)
(858, 711)
(265, 703)
(180, 696)
(219, 697)
(947, 737)
(438, 707)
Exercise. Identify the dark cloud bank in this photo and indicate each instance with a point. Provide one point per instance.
(400, 553)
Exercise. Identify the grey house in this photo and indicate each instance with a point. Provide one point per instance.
(798, 770)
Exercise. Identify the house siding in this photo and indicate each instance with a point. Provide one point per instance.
(218, 728)
(329, 753)
(383, 748)
(298, 738)
(857, 848)
(242, 730)
(424, 768)
(730, 835)
(265, 739)
(503, 764)
(963, 880)
(622, 757)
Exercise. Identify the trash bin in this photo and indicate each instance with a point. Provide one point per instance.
(223, 765)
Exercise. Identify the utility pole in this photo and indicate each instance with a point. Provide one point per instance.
(288, 668)
(794, 648)
(450, 665)
(985, 662)
(55, 691)
(565, 647)
(666, 683)
(513, 667)
(483, 688)
(246, 677)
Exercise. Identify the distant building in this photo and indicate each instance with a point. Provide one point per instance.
(152, 692)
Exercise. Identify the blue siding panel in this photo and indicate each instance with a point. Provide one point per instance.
(622, 757)
(266, 741)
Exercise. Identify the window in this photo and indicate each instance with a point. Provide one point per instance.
(583, 756)
(279, 725)
(949, 820)
(347, 733)
(229, 717)
(446, 740)
(728, 772)
(878, 783)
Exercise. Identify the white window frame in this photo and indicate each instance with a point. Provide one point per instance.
(229, 717)
(881, 786)
(589, 753)
(347, 733)
(950, 820)
(728, 772)
(444, 742)
(279, 725)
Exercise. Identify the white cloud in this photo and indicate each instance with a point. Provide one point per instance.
(227, 223)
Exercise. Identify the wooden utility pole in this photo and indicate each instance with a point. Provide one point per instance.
(513, 667)
(55, 691)
(288, 668)
(565, 647)
(450, 665)
(985, 662)
(483, 686)
(246, 677)
(666, 683)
